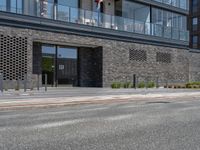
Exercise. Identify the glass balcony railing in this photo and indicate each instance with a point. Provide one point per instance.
(90, 18)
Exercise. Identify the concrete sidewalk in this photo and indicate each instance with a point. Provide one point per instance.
(73, 96)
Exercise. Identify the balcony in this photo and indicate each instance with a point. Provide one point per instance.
(100, 20)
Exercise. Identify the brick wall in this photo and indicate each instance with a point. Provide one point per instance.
(117, 65)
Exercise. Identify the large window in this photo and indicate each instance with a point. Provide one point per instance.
(169, 19)
(136, 11)
(71, 3)
(30, 7)
(184, 4)
(16, 6)
(3, 5)
(194, 6)
(195, 41)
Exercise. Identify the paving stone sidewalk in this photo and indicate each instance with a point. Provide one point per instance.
(74, 96)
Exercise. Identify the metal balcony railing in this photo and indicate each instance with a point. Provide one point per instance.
(96, 19)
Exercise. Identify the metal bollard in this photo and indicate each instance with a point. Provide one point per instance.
(146, 83)
(134, 81)
(38, 82)
(1, 82)
(45, 82)
(17, 88)
(157, 84)
(167, 83)
(25, 82)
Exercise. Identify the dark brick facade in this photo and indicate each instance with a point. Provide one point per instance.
(106, 61)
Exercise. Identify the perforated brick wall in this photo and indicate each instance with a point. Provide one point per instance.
(13, 57)
(137, 55)
(163, 57)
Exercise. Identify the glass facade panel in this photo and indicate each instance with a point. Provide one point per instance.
(71, 3)
(183, 4)
(30, 7)
(66, 66)
(136, 11)
(3, 5)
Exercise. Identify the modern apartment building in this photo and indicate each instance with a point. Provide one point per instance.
(194, 24)
(95, 42)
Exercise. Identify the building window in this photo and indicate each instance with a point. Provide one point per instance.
(195, 41)
(71, 3)
(136, 11)
(194, 6)
(194, 24)
(194, 21)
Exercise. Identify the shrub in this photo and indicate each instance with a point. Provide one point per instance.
(16, 88)
(116, 85)
(127, 85)
(169, 86)
(183, 86)
(151, 84)
(141, 85)
(5, 87)
(193, 85)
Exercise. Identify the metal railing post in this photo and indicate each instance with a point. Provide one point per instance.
(38, 82)
(1, 82)
(45, 82)
(157, 84)
(134, 81)
(146, 83)
(25, 82)
(18, 84)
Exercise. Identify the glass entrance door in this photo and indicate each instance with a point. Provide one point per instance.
(66, 66)
(48, 64)
(59, 63)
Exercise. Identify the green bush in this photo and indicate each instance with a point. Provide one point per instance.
(16, 88)
(127, 85)
(193, 85)
(116, 85)
(150, 84)
(141, 85)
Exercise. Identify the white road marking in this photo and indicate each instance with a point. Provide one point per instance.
(119, 117)
(57, 124)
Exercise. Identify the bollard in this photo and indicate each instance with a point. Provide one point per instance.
(17, 88)
(146, 83)
(25, 82)
(166, 83)
(38, 82)
(134, 81)
(157, 84)
(137, 81)
(45, 76)
(1, 82)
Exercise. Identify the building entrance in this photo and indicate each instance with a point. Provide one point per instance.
(60, 65)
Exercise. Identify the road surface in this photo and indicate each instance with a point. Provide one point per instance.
(150, 125)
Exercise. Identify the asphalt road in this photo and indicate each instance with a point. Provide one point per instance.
(118, 126)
